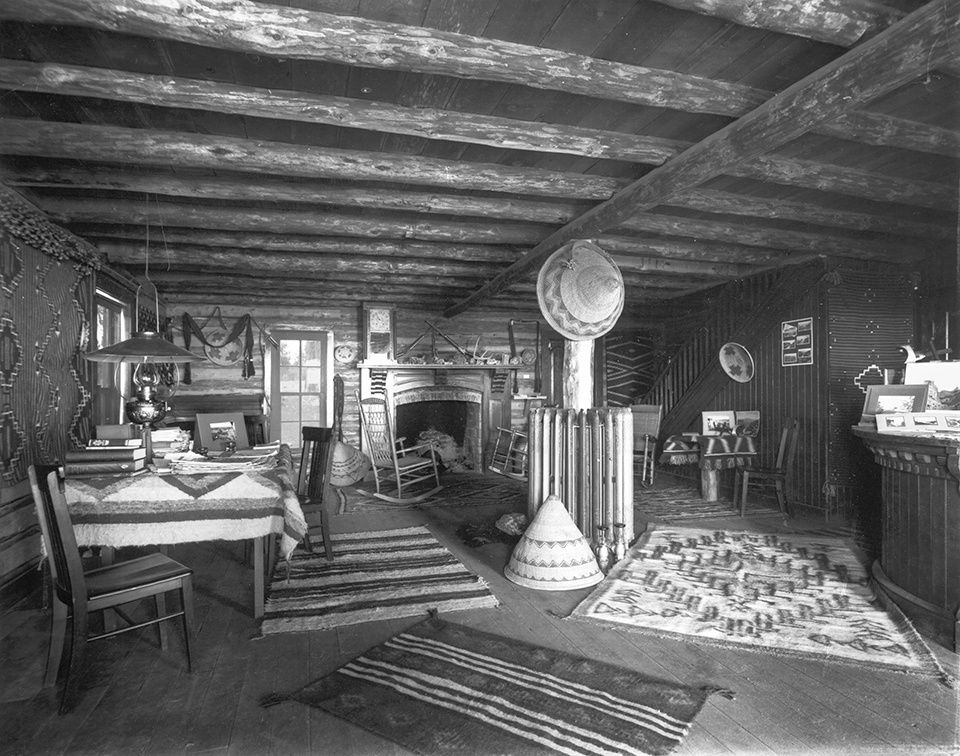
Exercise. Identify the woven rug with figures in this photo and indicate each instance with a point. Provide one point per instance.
(673, 503)
(790, 595)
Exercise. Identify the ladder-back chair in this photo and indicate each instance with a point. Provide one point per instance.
(780, 475)
(393, 463)
(77, 594)
(313, 484)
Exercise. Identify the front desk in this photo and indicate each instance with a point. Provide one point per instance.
(919, 566)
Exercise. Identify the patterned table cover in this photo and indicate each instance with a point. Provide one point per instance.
(711, 452)
(154, 508)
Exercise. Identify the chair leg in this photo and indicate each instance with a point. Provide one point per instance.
(58, 635)
(161, 601)
(743, 493)
(78, 648)
(737, 475)
(186, 603)
(782, 498)
(325, 527)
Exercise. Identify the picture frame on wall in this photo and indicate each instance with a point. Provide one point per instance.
(896, 399)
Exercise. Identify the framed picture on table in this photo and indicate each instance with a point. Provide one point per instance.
(218, 431)
(718, 422)
(893, 400)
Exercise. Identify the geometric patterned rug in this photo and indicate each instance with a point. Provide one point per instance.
(459, 490)
(441, 688)
(784, 594)
(684, 503)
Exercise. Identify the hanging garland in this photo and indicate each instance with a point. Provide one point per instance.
(244, 324)
(25, 222)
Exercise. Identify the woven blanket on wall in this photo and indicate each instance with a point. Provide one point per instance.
(374, 575)
(783, 594)
(446, 689)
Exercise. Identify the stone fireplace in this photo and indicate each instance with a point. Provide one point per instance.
(452, 400)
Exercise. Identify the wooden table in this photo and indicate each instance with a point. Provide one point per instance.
(158, 509)
(712, 454)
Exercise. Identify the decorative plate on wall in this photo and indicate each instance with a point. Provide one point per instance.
(736, 362)
(344, 354)
(220, 353)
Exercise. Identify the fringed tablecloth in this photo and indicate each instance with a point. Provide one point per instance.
(711, 452)
(165, 509)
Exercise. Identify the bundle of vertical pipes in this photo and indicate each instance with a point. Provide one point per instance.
(586, 458)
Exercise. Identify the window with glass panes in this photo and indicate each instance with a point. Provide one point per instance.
(302, 367)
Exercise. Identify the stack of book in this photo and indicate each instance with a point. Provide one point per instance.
(106, 456)
(165, 440)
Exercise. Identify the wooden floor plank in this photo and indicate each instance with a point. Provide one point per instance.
(141, 702)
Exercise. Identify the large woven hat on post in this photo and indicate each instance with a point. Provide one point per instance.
(552, 554)
(580, 290)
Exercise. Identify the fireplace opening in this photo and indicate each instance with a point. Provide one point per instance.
(452, 425)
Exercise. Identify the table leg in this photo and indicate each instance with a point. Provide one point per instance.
(709, 484)
(258, 577)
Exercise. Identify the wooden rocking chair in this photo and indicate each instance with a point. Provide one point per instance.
(403, 466)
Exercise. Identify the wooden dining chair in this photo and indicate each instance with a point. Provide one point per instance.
(77, 594)
(394, 462)
(779, 475)
(313, 484)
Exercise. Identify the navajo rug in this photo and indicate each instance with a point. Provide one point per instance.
(785, 594)
(441, 688)
(684, 503)
(459, 490)
(374, 575)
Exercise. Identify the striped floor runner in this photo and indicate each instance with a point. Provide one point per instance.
(374, 575)
(485, 694)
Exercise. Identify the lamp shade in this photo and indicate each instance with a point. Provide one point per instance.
(143, 346)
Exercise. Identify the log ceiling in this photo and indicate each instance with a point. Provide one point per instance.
(435, 152)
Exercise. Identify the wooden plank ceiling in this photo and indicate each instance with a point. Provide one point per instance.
(435, 152)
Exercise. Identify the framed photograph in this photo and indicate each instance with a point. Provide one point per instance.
(217, 431)
(891, 422)
(718, 422)
(944, 375)
(881, 400)
(748, 423)
(796, 342)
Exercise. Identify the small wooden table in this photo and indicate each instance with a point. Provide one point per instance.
(158, 509)
(712, 453)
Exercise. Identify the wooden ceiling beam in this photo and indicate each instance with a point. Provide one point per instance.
(167, 216)
(245, 188)
(172, 215)
(114, 144)
(292, 33)
(429, 123)
(913, 46)
(836, 22)
(270, 220)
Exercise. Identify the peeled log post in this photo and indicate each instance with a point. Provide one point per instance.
(578, 374)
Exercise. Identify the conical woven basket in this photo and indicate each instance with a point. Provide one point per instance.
(349, 465)
(553, 555)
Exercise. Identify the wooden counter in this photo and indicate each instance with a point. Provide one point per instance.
(919, 566)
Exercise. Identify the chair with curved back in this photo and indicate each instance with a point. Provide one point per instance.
(780, 475)
(313, 484)
(76, 594)
(402, 466)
